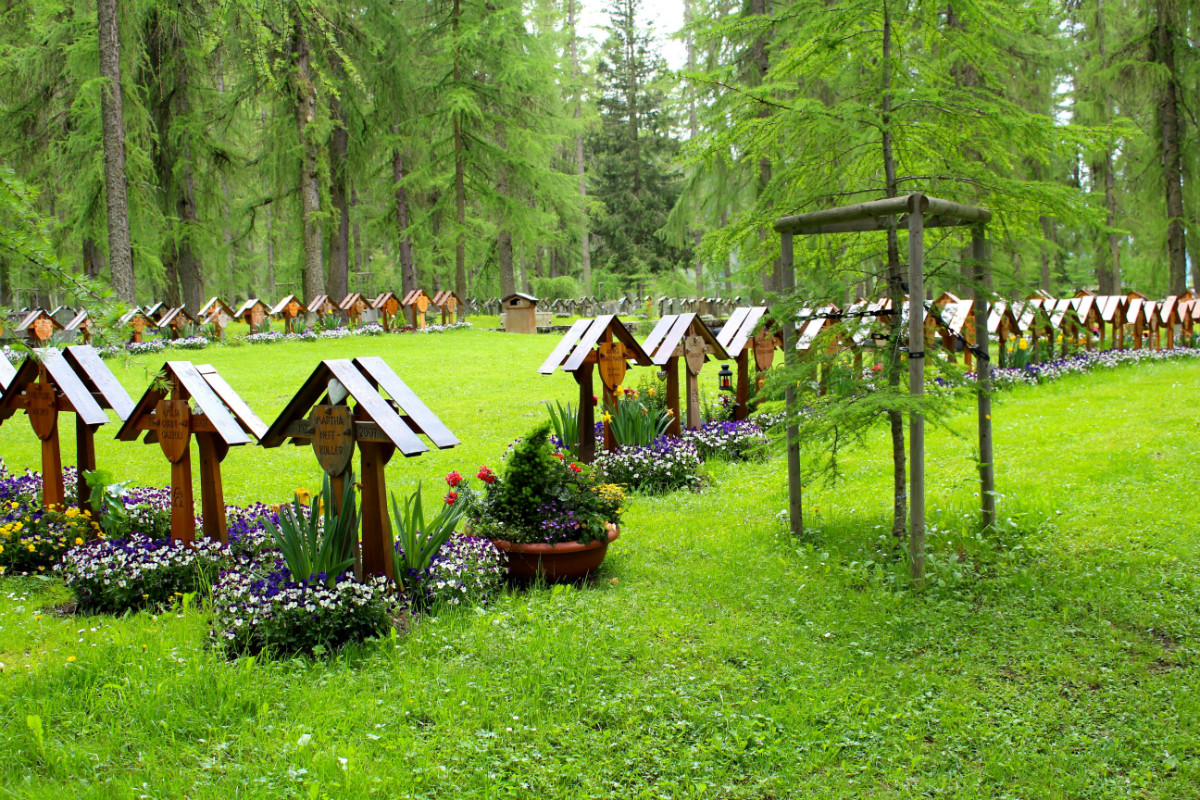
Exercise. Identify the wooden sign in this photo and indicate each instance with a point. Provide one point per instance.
(333, 438)
(693, 354)
(611, 358)
(451, 304)
(174, 428)
(42, 329)
(764, 351)
(43, 409)
(422, 303)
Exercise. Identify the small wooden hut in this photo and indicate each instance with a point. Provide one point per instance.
(520, 313)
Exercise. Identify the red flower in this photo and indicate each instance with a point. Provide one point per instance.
(576, 467)
(557, 455)
(595, 400)
(451, 497)
(454, 479)
(486, 475)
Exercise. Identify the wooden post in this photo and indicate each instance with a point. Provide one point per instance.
(85, 451)
(987, 472)
(174, 437)
(788, 332)
(916, 386)
(43, 417)
(376, 524)
(212, 491)
(587, 414)
(675, 428)
(742, 408)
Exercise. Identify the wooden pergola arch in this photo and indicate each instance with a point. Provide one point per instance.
(914, 212)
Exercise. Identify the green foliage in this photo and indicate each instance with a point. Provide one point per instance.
(560, 288)
(565, 421)
(634, 423)
(105, 501)
(318, 540)
(418, 540)
(531, 478)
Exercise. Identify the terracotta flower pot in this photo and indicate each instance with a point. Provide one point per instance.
(557, 563)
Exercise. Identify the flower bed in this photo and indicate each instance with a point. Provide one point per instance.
(729, 441)
(258, 606)
(1079, 363)
(667, 465)
(117, 575)
(467, 570)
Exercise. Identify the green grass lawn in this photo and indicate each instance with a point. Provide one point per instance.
(714, 656)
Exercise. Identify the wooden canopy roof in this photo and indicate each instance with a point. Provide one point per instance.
(575, 346)
(153, 312)
(440, 298)
(520, 296)
(33, 316)
(874, 216)
(129, 316)
(7, 372)
(249, 304)
(668, 335)
(736, 333)
(214, 305)
(230, 417)
(79, 376)
(317, 304)
(362, 379)
(77, 320)
(350, 300)
(177, 315)
(1111, 306)
(412, 297)
(284, 303)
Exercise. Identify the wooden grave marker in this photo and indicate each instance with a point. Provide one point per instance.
(388, 306)
(577, 353)
(253, 312)
(218, 314)
(416, 303)
(320, 413)
(449, 303)
(221, 420)
(75, 380)
(154, 313)
(288, 309)
(353, 305)
(738, 338)
(137, 322)
(81, 323)
(37, 327)
(683, 336)
(177, 322)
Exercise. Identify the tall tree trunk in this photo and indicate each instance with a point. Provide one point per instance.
(504, 239)
(773, 280)
(1048, 237)
(93, 258)
(1108, 252)
(693, 130)
(585, 246)
(408, 268)
(339, 242)
(896, 295)
(112, 115)
(1169, 126)
(460, 192)
(313, 276)
(270, 249)
(357, 232)
(6, 278)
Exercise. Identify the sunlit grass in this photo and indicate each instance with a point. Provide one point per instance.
(712, 657)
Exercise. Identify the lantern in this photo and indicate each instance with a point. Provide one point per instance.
(725, 379)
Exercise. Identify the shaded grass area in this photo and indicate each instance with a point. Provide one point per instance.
(714, 656)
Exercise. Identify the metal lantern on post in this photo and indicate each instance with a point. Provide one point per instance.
(725, 379)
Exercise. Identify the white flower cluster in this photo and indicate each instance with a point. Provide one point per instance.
(266, 337)
(665, 466)
(465, 571)
(114, 575)
(371, 329)
(189, 343)
(453, 326)
(1086, 361)
(253, 611)
(150, 346)
(13, 356)
(729, 441)
(335, 333)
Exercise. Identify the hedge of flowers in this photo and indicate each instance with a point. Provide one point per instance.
(666, 465)
(1081, 362)
(729, 441)
(466, 571)
(370, 329)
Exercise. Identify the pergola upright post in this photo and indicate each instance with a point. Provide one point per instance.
(987, 472)
(788, 332)
(916, 386)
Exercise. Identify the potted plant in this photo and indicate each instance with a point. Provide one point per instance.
(550, 515)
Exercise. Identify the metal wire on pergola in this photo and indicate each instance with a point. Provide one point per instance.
(914, 212)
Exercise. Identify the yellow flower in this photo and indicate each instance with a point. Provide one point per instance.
(303, 495)
(70, 659)
(78, 540)
(650, 393)
(606, 417)
(1024, 345)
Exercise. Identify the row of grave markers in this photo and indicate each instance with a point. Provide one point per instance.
(38, 325)
(186, 402)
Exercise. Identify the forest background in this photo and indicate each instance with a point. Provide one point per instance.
(174, 151)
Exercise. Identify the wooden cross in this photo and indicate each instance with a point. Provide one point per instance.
(375, 425)
(74, 380)
(683, 336)
(448, 302)
(221, 419)
(614, 347)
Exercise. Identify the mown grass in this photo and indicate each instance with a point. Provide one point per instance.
(712, 657)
